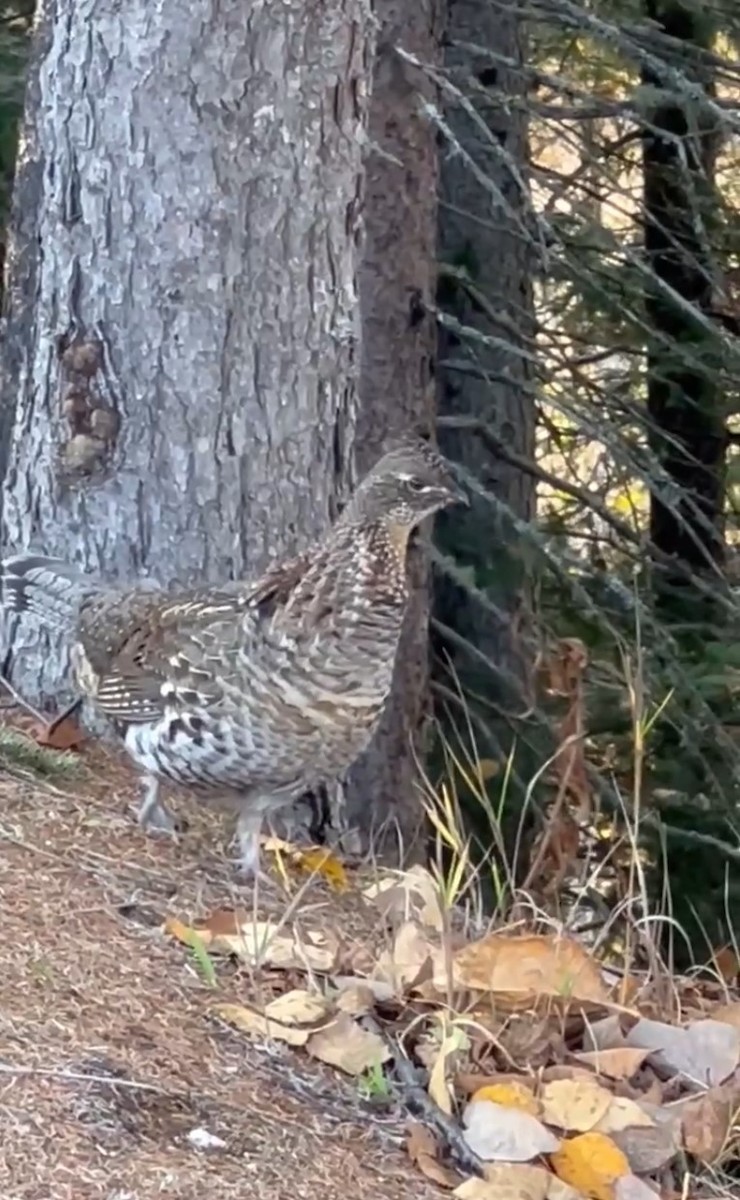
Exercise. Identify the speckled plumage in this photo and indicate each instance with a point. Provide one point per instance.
(253, 692)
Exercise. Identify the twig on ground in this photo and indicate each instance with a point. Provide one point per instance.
(80, 1077)
(421, 1104)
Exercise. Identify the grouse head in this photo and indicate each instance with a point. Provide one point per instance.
(410, 482)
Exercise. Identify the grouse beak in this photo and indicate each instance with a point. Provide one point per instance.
(455, 495)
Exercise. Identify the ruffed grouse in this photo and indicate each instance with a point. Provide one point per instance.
(252, 692)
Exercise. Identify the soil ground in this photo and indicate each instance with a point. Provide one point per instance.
(91, 986)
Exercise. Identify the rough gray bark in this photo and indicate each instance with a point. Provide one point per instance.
(181, 348)
(397, 282)
(486, 285)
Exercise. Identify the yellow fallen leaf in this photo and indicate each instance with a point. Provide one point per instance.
(511, 1095)
(574, 1104)
(621, 1114)
(591, 1163)
(453, 1040)
(318, 861)
(257, 1025)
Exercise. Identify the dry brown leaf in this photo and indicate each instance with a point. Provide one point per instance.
(356, 1000)
(66, 735)
(650, 1150)
(256, 1024)
(574, 1104)
(621, 1062)
(728, 1013)
(591, 1163)
(298, 1007)
(623, 1113)
(346, 1045)
(261, 943)
(629, 1187)
(605, 1034)
(507, 1181)
(379, 989)
(706, 1122)
(422, 1149)
(706, 1052)
(727, 963)
(408, 961)
(647, 1150)
(522, 969)
(411, 895)
(505, 1134)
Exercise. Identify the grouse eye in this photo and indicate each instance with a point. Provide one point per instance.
(416, 485)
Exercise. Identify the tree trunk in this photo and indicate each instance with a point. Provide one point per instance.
(182, 337)
(486, 288)
(687, 429)
(397, 386)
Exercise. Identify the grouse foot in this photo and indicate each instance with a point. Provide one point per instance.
(153, 815)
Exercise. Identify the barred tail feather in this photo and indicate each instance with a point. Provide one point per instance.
(49, 588)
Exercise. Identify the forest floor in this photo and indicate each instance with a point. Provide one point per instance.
(92, 986)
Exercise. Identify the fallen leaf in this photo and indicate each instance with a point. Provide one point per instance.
(452, 1042)
(629, 1187)
(507, 1181)
(519, 970)
(729, 1014)
(256, 1024)
(591, 1163)
(558, 1189)
(495, 1132)
(356, 1000)
(649, 1150)
(621, 1062)
(706, 1123)
(408, 960)
(298, 1007)
(574, 1104)
(623, 1113)
(422, 1149)
(408, 895)
(261, 943)
(318, 861)
(346, 1045)
(605, 1034)
(67, 735)
(510, 1095)
(705, 1052)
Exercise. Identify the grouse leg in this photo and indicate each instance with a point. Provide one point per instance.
(248, 830)
(153, 816)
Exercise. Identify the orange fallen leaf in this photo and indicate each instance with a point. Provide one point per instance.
(67, 735)
(591, 1163)
(520, 970)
